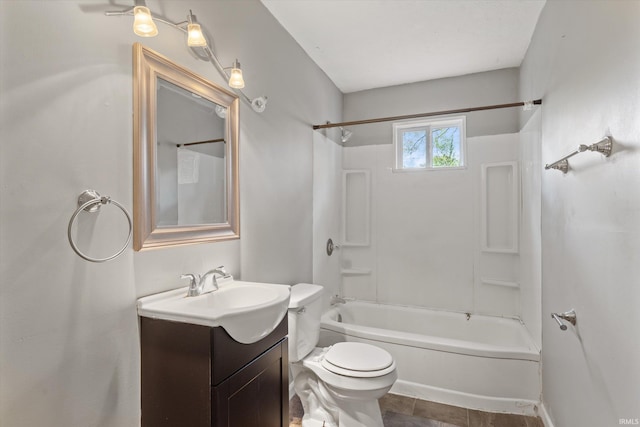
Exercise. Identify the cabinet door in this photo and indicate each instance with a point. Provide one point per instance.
(257, 395)
(175, 374)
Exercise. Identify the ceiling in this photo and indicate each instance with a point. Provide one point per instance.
(365, 44)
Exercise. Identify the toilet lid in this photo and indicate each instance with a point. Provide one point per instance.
(358, 360)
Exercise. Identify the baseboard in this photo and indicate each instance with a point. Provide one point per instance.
(466, 400)
(542, 413)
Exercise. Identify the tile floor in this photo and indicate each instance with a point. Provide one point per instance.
(400, 411)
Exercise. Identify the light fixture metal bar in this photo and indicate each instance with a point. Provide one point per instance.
(430, 114)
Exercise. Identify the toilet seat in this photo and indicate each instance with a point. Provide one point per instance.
(348, 383)
(358, 360)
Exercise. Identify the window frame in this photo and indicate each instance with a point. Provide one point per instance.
(428, 125)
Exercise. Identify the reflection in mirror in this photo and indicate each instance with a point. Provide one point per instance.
(190, 158)
(185, 156)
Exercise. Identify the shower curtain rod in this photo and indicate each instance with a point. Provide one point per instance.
(209, 141)
(434, 113)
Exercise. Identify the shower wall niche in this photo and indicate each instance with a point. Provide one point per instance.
(499, 211)
(356, 207)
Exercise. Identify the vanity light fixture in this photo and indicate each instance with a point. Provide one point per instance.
(144, 25)
(235, 79)
(195, 38)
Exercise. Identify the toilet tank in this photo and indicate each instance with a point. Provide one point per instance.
(305, 310)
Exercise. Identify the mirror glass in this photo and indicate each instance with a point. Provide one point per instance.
(185, 157)
(190, 158)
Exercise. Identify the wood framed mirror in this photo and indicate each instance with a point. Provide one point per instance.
(185, 158)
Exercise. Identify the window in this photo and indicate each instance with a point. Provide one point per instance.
(432, 144)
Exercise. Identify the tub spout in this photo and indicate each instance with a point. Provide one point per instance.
(569, 316)
(335, 300)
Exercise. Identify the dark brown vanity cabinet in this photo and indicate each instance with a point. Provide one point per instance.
(197, 376)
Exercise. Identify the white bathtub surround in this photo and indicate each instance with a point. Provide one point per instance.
(427, 233)
(485, 363)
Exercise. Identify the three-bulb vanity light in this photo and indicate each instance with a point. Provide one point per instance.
(144, 25)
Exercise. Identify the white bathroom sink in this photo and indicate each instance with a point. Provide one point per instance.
(248, 311)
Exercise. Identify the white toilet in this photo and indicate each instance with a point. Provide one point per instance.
(339, 386)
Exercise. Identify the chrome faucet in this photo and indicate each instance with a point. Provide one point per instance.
(196, 281)
(216, 272)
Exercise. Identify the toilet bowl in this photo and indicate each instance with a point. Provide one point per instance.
(339, 386)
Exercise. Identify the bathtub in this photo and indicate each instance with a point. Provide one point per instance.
(480, 362)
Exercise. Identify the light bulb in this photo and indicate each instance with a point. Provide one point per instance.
(143, 24)
(196, 38)
(235, 80)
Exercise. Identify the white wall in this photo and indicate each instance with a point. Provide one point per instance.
(472, 90)
(68, 329)
(584, 60)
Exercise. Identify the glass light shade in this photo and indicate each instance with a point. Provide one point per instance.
(196, 38)
(143, 24)
(221, 111)
(235, 80)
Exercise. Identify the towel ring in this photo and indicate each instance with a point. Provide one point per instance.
(91, 201)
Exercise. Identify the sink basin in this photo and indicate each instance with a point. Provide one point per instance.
(248, 311)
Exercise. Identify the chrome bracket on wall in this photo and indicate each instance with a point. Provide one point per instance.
(604, 147)
(569, 316)
(561, 165)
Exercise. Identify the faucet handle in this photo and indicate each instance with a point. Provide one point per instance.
(222, 270)
(194, 282)
(192, 277)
